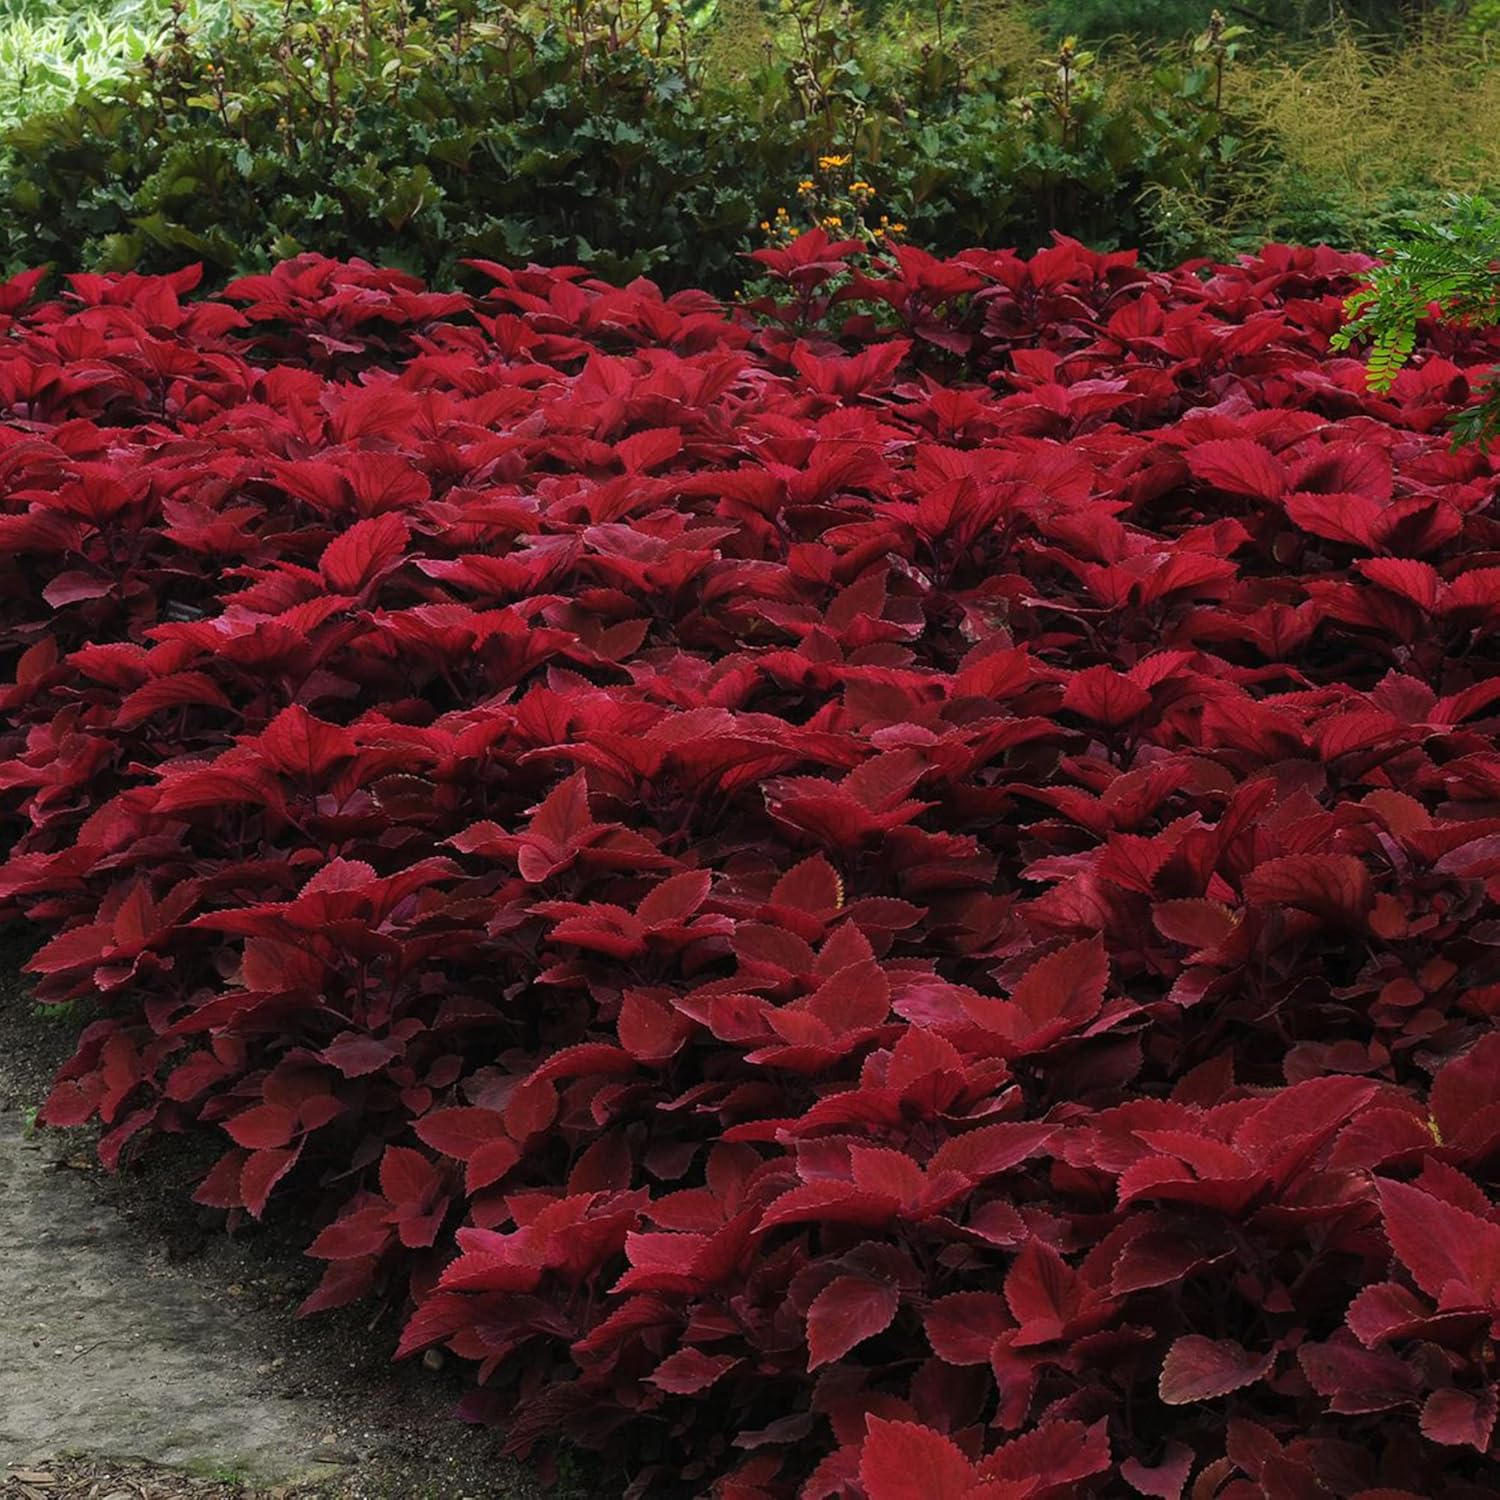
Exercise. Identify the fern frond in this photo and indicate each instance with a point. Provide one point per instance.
(1448, 270)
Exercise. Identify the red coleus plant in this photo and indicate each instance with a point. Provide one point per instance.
(909, 917)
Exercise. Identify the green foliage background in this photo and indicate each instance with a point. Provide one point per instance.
(655, 136)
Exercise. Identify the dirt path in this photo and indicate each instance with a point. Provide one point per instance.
(106, 1352)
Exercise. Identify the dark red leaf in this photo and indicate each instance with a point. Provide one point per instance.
(845, 1313)
(1200, 1369)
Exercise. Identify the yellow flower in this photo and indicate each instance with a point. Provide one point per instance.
(781, 213)
(831, 163)
(765, 224)
(898, 228)
(861, 187)
(806, 185)
(833, 221)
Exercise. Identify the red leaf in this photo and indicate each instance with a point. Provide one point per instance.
(355, 1056)
(220, 1187)
(1043, 1292)
(689, 1372)
(649, 449)
(461, 1131)
(963, 1326)
(1067, 985)
(72, 1102)
(366, 551)
(1165, 1480)
(406, 1176)
(1053, 1453)
(813, 887)
(1416, 581)
(489, 1162)
(1104, 696)
(674, 899)
(1466, 1091)
(1382, 1311)
(532, 1106)
(354, 1236)
(344, 1281)
(176, 690)
(991, 1150)
(1238, 467)
(1159, 1258)
(1336, 887)
(262, 1172)
(1200, 1369)
(649, 1030)
(1460, 1418)
(902, 1461)
(1197, 924)
(1349, 518)
(1447, 1250)
(845, 1313)
(302, 747)
(75, 587)
(263, 1126)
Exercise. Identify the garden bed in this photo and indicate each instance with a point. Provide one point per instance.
(861, 918)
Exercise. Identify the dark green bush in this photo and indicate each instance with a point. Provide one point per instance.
(609, 137)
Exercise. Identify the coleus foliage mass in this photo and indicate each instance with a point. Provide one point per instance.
(913, 919)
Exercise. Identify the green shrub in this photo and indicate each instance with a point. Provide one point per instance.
(1359, 117)
(631, 139)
